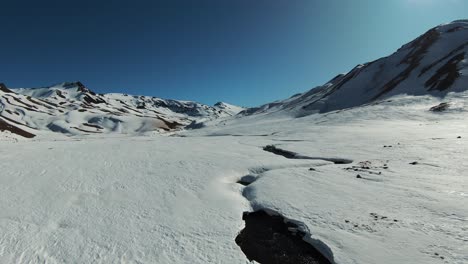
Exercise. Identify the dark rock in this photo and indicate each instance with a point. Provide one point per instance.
(4, 89)
(446, 75)
(195, 125)
(440, 107)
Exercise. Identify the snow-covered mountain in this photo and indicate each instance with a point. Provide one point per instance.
(73, 109)
(434, 63)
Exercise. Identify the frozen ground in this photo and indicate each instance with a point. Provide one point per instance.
(174, 199)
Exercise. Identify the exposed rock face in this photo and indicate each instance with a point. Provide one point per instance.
(4, 89)
(4, 126)
(440, 107)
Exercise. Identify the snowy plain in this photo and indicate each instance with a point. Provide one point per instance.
(174, 198)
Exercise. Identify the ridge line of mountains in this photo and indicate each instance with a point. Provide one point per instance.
(433, 64)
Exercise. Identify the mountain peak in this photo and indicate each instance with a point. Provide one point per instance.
(4, 89)
(79, 86)
(432, 64)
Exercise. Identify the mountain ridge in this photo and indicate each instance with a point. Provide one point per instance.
(434, 63)
(73, 109)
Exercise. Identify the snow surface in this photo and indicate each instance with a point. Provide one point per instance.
(174, 199)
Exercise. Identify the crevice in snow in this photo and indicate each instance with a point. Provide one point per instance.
(247, 179)
(293, 155)
(269, 237)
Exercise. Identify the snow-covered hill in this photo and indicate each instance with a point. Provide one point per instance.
(73, 109)
(435, 64)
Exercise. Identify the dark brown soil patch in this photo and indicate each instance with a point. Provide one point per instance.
(30, 99)
(4, 126)
(86, 131)
(16, 122)
(24, 103)
(93, 100)
(270, 239)
(171, 125)
(25, 106)
(91, 125)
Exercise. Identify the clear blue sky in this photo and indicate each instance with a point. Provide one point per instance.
(245, 52)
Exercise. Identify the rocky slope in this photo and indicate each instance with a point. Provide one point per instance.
(434, 63)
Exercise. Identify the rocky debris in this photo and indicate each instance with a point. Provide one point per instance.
(367, 167)
(440, 107)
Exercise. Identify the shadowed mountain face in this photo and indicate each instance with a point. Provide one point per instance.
(71, 108)
(435, 63)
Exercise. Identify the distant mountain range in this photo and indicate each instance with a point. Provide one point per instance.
(434, 63)
(73, 109)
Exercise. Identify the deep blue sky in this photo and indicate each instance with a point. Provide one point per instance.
(245, 52)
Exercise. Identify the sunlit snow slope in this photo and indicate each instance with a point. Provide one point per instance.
(435, 63)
